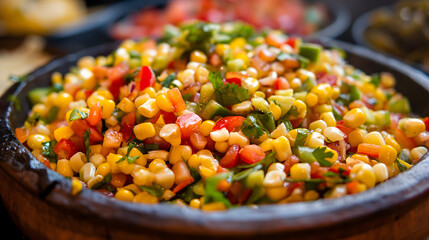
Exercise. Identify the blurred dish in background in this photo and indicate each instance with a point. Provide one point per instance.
(22, 17)
(401, 30)
(22, 59)
(291, 16)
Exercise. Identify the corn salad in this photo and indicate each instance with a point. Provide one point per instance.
(218, 116)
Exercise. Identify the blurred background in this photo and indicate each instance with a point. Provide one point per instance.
(33, 32)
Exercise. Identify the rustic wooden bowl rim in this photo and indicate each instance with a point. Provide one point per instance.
(400, 192)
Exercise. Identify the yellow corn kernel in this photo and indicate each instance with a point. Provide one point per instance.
(374, 138)
(251, 84)
(363, 173)
(267, 145)
(202, 74)
(274, 178)
(171, 133)
(168, 194)
(237, 43)
(154, 154)
(63, 100)
(76, 187)
(276, 193)
(315, 140)
(133, 187)
(220, 48)
(63, 132)
(103, 169)
(329, 119)
(86, 62)
(56, 78)
(194, 161)
(164, 103)
(125, 167)
(206, 127)
(260, 104)
(411, 126)
(141, 99)
(291, 136)
(112, 159)
(165, 178)
(237, 138)
(322, 91)
(179, 153)
(361, 157)
(282, 147)
(97, 159)
(220, 135)
(157, 165)
(64, 168)
(333, 134)
(144, 130)
(387, 154)
(301, 108)
(95, 180)
(356, 137)
(417, 153)
(94, 99)
(221, 147)
(381, 172)
(300, 171)
(124, 195)
(311, 99)
(279, 131)
(317, 124)
(35, 141)
(77, 161)
(40, 108)
(141, 160)
(88, 79)
(323, 108)
(149, 109)
(126, 105)
(107, 109)
(142, 176)
(214, 206)
(354, 118)
(195, 203)
(242, 108)
(275, 110)
(389, 140)
(145, 197)
(198, 56)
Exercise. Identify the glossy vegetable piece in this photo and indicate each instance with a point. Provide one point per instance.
(37, 95)
(176, 100)
(65, 149)
(231, 157)
(94, 116)
(252, 154)
(231, 123)
(188, 123)
(145, 78)
(80, 126)
(127, 125)
(115, 76)
(213, 109)
(371, 150)
(310, 51)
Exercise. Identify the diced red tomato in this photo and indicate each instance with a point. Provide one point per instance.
(231, 157)
(346, 130)
(252, 154)
(183, 184)
(198, 141)
(21, 134)
(371, 150)
(238, 194)
(80, 126)
(234, 80)
(146, 78)
(94, 115)
(99, 72)
(221, 169)
(403, 140)
(188, 123)
(127, 124)
(176, 99)
(115, 75)
(426, 121)
(65, 149)
(292, 160)
(296, 122)
(329, 79)
(291, 42)
(112, 139)
(231, 123)
(281, 83)
(352, 187)
(163, 145)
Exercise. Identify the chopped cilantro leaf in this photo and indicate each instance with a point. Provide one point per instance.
(76, 114)
(168, 80)
(48, 150)
(155, 190)
(229, 93)
(321, 156)
(86, 137)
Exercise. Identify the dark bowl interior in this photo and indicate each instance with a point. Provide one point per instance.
(327, 217)
(358, 33)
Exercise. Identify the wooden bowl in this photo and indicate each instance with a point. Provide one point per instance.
(39, 200)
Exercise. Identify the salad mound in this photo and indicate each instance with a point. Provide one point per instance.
(215, 116)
